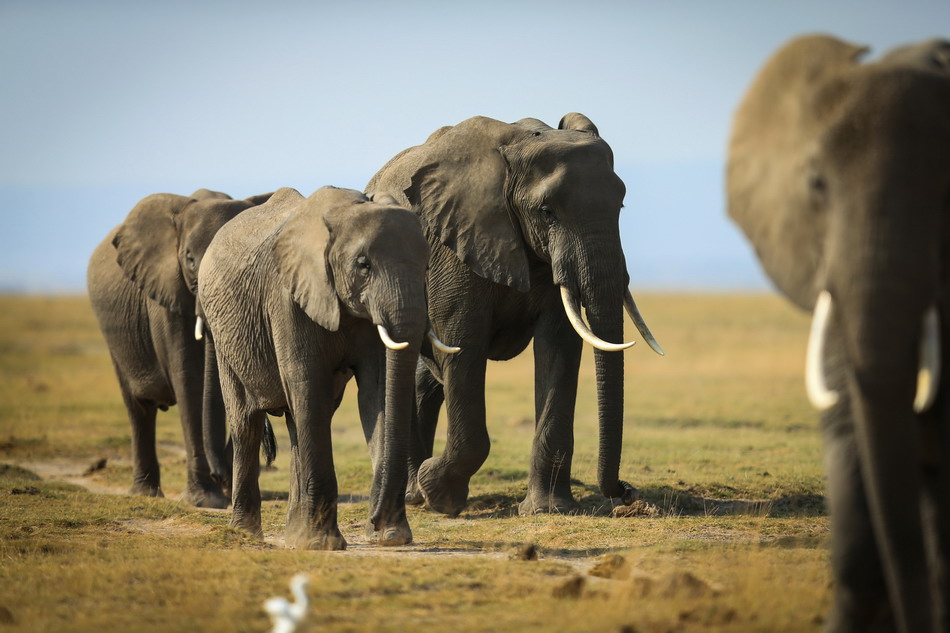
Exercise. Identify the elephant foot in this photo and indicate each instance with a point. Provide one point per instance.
(389, 535)
(222, 481)
(548, 503)
(625, 494)
(442, 492)
(330, 539)
(146, 490)
(207, 497)
(246, 523)
(414, 496)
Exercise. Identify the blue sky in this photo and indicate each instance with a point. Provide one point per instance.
(106, 102)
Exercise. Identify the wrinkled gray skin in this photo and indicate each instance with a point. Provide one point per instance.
(293, 291)
(512, 212)
(839, 175)
(142, 280)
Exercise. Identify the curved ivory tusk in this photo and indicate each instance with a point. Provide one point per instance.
(645, 332)
(199, 329)
(820, 396)
(439, 345)
(928, 375)
(573, 310)
(388, 341)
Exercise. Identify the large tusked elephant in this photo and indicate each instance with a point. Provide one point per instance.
(299, 293)
(839, 175)
(142, 279)
(522, 220)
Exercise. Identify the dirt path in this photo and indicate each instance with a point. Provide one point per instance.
(81, 473)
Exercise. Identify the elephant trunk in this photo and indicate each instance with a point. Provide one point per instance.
(883, 317)
(601, 276)
(392, 473)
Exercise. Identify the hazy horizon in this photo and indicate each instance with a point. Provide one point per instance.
(106, 102)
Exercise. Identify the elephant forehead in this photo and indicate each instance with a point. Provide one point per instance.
(330, 196)
(380, 227)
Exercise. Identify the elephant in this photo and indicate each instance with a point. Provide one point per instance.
(523, 224)
(141, 281)
(303, 294)
(839, 176)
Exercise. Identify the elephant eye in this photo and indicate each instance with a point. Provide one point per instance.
(548, 214)
(363, 264)
(190, 260)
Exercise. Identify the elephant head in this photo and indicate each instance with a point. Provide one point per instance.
(505, 197)
(340, 250)
(160, 244)
(839, 175)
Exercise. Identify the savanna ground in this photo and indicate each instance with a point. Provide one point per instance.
(732, 534)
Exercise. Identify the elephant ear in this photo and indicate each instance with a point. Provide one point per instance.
(579, 122)
(381, 197)
(208, 194)
(146, 247)
(774, 182)
(456, 183)
(260, 198)
(302, 253)
(931, 54)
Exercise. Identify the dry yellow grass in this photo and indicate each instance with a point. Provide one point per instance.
(719, 437)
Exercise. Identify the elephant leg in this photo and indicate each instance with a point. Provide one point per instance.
(247, 429)
(860, 593)
(215, 439)
(146, 474)
(312, 507)
(444, 479)
(429, 399)
(557, 358)
(203, 491)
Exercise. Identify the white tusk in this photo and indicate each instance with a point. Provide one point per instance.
(820, 396)
(439, 345)
(645, 332)
(199, 329)
(387, 340)
(928, 375)
(573, 311)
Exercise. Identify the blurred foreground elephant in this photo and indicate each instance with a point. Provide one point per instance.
(522, 220)
(839, 175)
(302, 294)
(142, 279)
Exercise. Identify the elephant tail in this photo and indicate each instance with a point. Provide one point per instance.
(269, 442)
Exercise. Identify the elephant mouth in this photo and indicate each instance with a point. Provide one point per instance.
(573, 310)
(436, 341)
(928, 373)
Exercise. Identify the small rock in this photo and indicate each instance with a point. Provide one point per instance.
(638, 508)
(29, 490)
(684, 584)
(96, 466)
(611, 566)
(526, 551)
(570, 589)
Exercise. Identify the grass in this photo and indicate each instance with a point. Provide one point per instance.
(718, 437)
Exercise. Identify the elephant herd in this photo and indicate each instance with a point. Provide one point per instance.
(491, 235)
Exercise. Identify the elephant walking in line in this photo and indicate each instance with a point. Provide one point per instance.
(302, 294)
(142, 279)
(839, 175)
(522, 219)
